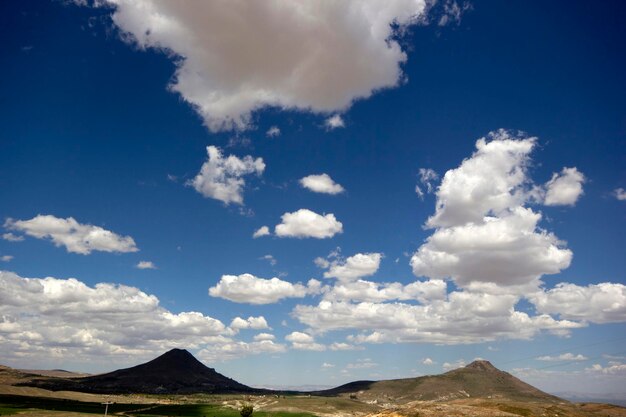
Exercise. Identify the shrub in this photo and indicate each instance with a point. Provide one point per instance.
(246, 410)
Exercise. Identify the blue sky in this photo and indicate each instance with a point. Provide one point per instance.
(439, 182)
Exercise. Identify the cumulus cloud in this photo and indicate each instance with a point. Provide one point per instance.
(222, 178)
(362, 290)
(305, 223)
(354, 267)
(343, 346)
(428, 362)
(322, 183)
(10, 237)
(272, 132)
(620, 194)
(328, 365)
(145, 265)
(563, 357)
(490, 244)
(76, 237)
(235, 57)
(596, 303)
(6, 258)
(246, 288)
(565, 188)
(611, 369)
(483, 232)
(263, 336)
(334, 122)
(66, 318)
(232, 349)
(261, 231)
(303, 341)
(463, 317)
(448, 366)
(256, 323)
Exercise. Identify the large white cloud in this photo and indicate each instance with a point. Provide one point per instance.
(463, 317)
(597, 303)
(305, 223)
(222, 178)
(76, 237)
(234, 56)
(246, 288)
(321, 183)
(483, 231)
(69, 319)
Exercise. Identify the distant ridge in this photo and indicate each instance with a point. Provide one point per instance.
(174, 372)
(479, 379)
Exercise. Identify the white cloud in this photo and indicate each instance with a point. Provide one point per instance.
(221, 178)
(596, 303)
(343, 346)
(263, 336)
(490, 244)
(237, 57)
(256, 323)
(452, 12)
(565, 188)
(68, 319)
(328, 365)
(611, 369)
(303, 341)
(361, 290)
(237, 349)
(620, 194)
(427, 176)
(76, 237)
(334, 122)
(261, 231)
(563, 357)
(270, 259)
(10, 237)
(145, 265)
(272, 132)
(306, 223)
(483, 233)
(354, 267)
(428, 362)
(448, 366)
(322, 183)
(6, 258)
(246, 288)
(463, 317)
(362, 364)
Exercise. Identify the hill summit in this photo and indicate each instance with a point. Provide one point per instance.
(174, 372)
(479, 379)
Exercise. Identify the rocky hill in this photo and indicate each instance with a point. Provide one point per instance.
(480, 379)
